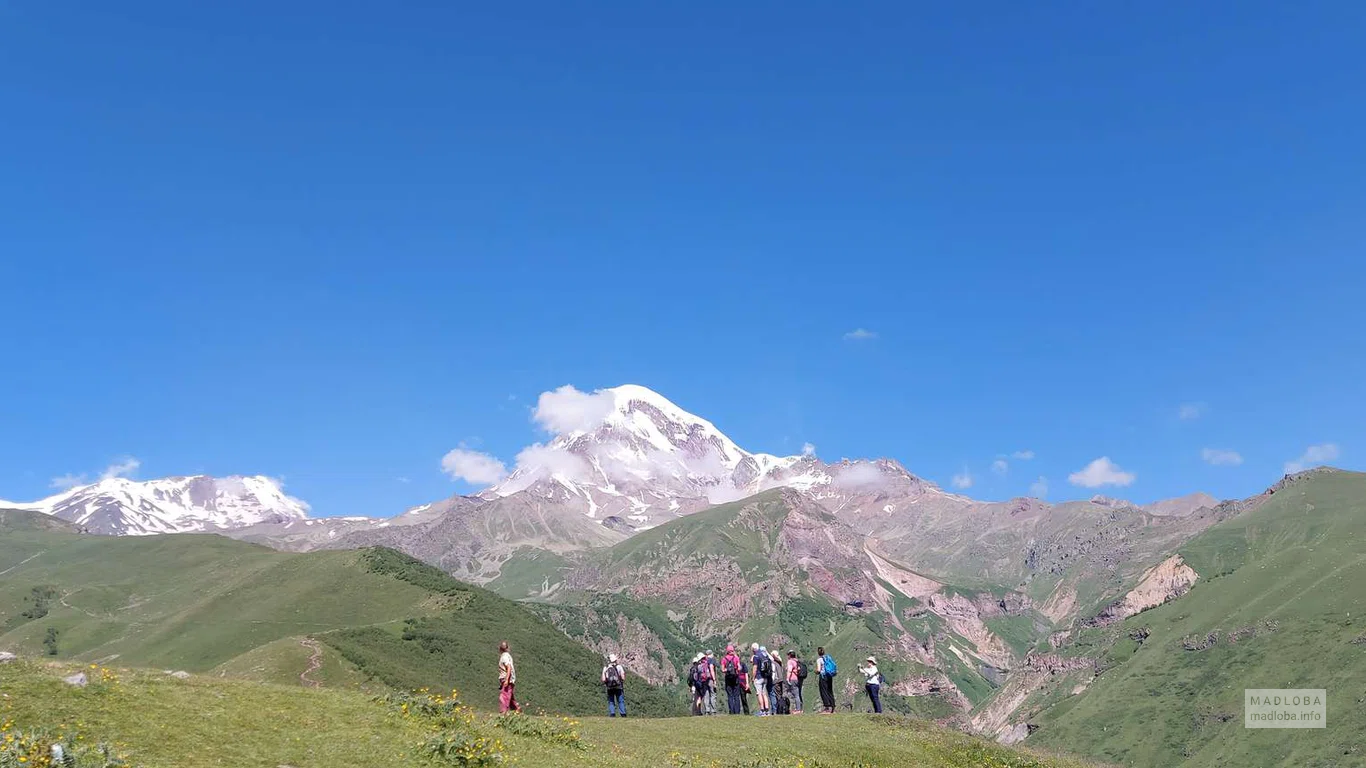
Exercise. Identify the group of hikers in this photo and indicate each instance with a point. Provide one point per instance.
(777, 683)
(777, 680)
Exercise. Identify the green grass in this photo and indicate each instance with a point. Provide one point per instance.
(1298, 562)
(205, 603)
(187, 601)
(161, 722)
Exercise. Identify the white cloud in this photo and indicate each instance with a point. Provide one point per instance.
(859, 476)
(67, 481)
(404, 480)
(1221, 458)
(1189, 411)
(808, 449)
(1000, 466)
(121, 468)
(1039, 488)
(473, 467)
(1100, 472)
(1313, 456)
(542, 460)
(860, 334)
(1023, 455)
(963, 480)
(568, 410)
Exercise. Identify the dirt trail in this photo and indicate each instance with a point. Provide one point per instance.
(315, 662)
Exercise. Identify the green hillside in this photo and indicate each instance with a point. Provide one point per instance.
(204, 602)
(1281, 604)
(764, 569)
(155, 721)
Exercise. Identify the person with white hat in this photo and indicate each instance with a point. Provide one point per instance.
(614, 680)
(872, 683)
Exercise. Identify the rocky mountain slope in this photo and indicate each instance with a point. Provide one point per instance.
(120, 506)
(1270, 598)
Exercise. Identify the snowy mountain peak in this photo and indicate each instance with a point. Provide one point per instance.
(173, 504)
(630, 452)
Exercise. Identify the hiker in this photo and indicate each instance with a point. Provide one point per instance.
(713, 672)
(614, 680)
(825, 669)
(507, 680)
(796, 678)
(696, 682)
(873, 683)
(761, 677)
(777, 683)
(745, 685)
(730, 673)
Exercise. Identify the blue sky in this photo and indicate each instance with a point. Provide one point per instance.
(331, 242)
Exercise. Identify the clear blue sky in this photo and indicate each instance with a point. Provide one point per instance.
(329, 241)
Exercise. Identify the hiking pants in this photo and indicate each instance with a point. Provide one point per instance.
(710, 699)
(616, 702)
(796, 689)
(507, 699)
(733, 699)
(827, 684)
(744, 701)
(874, 695)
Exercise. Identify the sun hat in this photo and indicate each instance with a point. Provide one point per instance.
(870, 658)
(612, 658)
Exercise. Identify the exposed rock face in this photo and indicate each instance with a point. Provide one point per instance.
(6, 657)
(1165, 581)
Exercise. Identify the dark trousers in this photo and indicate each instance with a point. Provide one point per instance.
(616, 702)
(874, 695)
(744, 700)
(827, 684)
(733, 699)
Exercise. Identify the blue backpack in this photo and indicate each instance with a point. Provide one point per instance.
(830, 667)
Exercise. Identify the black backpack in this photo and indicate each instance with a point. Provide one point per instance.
(801, 670)
(766, 668)
(614, 681)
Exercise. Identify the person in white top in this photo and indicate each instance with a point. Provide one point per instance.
(507, 680)
(614, 680)
(872, 683)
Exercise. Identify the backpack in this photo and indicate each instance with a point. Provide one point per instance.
(614, 681)
(766, 668)
(704, 671)
(829, 666)
(801, 670)
(695, 676)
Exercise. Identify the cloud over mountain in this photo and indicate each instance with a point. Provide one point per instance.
(1101, 472)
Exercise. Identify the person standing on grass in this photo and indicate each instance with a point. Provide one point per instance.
(825, 669)
(796, 678)
(507, 680)
(614, 680)
(730, 673)
(744, 687)
(756, 666)
(872, 683)
(713, 670)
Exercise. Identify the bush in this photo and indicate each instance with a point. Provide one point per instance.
(557, 730)
(456, 738)
(34, 748)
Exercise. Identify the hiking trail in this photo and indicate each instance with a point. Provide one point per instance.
(315, 662)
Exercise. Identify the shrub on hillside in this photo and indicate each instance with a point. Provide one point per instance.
(34, 748)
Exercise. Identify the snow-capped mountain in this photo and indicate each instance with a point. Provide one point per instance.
(121, 506)
(648, 461)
